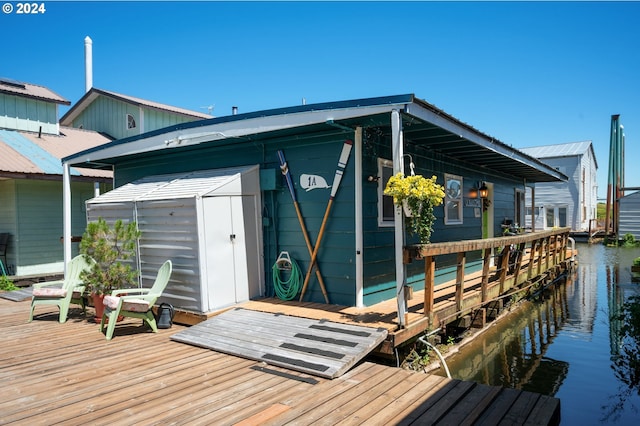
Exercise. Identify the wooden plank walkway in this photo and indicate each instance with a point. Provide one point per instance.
(319, 347)
(68, 373)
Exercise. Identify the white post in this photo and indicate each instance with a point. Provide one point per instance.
(358, 212)
(66, 214)
(397, 149)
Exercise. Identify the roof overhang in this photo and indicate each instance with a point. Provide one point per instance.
(423, 124)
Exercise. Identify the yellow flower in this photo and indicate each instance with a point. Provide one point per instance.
(422, 195)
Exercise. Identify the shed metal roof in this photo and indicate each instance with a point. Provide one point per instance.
(423, 124)
(171, 186)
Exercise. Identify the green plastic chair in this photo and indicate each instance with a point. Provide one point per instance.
(63, 292)
(135, 302)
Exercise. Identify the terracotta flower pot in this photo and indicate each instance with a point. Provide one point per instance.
(98, 305)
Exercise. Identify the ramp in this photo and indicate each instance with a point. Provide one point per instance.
(318, 347)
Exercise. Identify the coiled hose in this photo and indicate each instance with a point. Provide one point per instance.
(289, 288)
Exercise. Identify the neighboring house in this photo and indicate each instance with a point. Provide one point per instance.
(31, 177)
(209, 195)
(630, 215)
(572, 203)
(121, 116)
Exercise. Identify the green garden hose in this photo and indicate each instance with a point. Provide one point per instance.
(289, 288)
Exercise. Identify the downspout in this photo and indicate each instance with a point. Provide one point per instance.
(397, 149)
(66, 214)
(359, 219)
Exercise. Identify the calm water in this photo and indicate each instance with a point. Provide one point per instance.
(563, 346)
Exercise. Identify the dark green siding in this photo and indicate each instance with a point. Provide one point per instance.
(317, 155)
(379, 268)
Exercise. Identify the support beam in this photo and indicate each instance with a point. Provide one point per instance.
(66, 213)
(397, 147)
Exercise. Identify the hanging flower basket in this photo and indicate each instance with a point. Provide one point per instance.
(417, 196)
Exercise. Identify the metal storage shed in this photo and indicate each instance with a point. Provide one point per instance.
(630, 215)
(207, 222)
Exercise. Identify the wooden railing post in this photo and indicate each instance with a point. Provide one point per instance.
(521, 248)
(429, 285)
(540, 254)
(460, 279)
(485, 275)
(504, 265)
(532, 257)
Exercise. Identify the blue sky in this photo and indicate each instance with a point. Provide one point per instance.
(526, 73)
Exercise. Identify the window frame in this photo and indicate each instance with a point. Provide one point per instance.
(449, 199)
(130, 118)
(385, 171)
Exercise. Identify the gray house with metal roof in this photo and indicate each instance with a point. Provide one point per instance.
(572, 203)
(339, 155)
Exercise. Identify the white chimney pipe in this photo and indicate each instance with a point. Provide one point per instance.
(88, 64)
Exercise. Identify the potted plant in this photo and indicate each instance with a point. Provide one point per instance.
(110, 248)
(418, 196)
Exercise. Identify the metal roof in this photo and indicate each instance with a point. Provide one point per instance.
(25, 153)
(171, 186)
(423, 124)
(93, 93)
(32, 91)
(558, 150)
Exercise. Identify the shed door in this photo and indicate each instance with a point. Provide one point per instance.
(226, 253)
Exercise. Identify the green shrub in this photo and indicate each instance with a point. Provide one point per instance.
(6, 284)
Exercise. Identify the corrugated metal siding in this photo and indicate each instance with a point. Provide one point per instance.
(170, 231)
(630, 215)
(166, 209)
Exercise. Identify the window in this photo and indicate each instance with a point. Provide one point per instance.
(562, 217)
(131, 122)
(386, 213)
(452, 199)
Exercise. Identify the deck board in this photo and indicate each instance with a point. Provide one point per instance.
(317, 347)
(68, 373)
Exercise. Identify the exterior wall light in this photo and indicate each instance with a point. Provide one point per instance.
(484, 191)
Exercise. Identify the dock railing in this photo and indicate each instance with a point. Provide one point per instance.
(516, 259)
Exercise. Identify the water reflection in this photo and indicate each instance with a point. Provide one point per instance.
(566, 344)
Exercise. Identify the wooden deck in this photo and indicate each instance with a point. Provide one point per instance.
(68, 373)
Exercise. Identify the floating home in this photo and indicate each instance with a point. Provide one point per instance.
(572, 203)
(210, 195)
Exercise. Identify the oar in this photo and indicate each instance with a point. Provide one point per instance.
(342, 163)
(285, 171)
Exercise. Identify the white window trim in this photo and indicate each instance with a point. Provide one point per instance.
(459, 198)
(382, 164)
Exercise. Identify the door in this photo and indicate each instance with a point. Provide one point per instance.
(555, 216)
(225, 251)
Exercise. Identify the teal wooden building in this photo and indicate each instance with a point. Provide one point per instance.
(31, 195)
(360, 255)
(120, 116)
